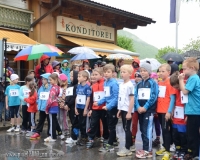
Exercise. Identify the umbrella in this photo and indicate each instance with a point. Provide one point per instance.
(154, 63)
(83, 56)
(36, 51)
(192, 53)
(78, 50)
(173, 57)
(119, 56)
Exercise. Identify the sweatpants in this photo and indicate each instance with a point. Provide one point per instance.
(82, 123)
(180, 140)
(25, 118)
(42, 118)
(32, 119)
(112, 122)
(53, 125)
(166, 131)
(193, 134)
(157, 125)
(62, 120)
(127, 125)
(95, 124)
(74, 122)
(146, 128)
(134, 125)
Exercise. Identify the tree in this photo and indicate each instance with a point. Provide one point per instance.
(126, 43)
(193, 45)
(163, 51)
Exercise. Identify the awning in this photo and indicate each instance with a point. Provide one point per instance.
(100, 48)
(16, 40)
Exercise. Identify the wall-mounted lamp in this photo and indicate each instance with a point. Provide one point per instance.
(113, 25)
(80, 17)
(98, 23)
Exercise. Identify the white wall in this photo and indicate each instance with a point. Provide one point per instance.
(15, 3)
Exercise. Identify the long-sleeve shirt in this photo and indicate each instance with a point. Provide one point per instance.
(32, 101)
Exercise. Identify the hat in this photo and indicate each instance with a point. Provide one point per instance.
(14, 77)
(147, 67)
(46, 75)
(63, 77)
(56, 73)
(55, 63)
(137, 74)
(154, 75)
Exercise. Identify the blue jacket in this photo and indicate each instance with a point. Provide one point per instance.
(42, 103)
(66, 70)
(150, 104)
(112, 100)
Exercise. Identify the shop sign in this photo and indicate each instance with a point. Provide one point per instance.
(84, 29)
(15, 46)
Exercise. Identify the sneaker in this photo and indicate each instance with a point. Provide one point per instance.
(70, 141)
(29, 134)
(115, 143)
(62, 137)
(188, 157)
(49, 139)
(82, 141)
(124, 152)
(101, 139)
(172, 148)
(144, 154)
(23, 131)
(132, 148)
(107, 148)
(90, 144)
(11, 129)
(176, 154)
(156, 142)
(181, 156)
(35, 136)
(161, 151)
(166, 156)
(17, 129)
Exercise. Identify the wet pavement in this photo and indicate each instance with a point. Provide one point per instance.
(18, 147)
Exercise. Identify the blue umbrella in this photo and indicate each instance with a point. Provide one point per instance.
(83, 56)
(78, 50)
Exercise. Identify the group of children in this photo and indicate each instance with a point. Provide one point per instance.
(103, 99)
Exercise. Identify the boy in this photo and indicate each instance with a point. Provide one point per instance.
(125, 107)
(179, 123)
(146, 93)
(111, 89)
(192, 107)
(83, 92)
(165, 104)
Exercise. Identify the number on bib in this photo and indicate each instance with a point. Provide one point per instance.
(179, 112)
(98, 95)
(14, 92)
(69, 91)
(81, 99)
(184, 98)
(144, 93)
(44, 95)
(107, 91)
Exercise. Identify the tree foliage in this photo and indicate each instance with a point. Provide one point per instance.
(193, 45)
(126, 43)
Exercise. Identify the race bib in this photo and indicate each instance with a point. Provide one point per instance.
(81, 99)
(184, 98)
(162, 91)
(69, 91)
(107, 91)
(98, 95)
(44, 95)
(26, 92)
(144, 93)
(14, 92)
(179, 112)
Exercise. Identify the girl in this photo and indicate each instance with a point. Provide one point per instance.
(12, 102)
(52, 109)
(66, 69)
(62, 116)
(56, 66)
(24, 93)
(32, 106)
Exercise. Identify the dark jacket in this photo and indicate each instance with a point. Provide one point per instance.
(2, 94)
(70, 100)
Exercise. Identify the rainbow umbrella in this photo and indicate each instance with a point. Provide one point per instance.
(36, 51)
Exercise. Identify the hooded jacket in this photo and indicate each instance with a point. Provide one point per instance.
(135, 69)
(66, 70)
(31, 100)
(70, 100)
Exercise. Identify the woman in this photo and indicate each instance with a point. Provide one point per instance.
(119, 64)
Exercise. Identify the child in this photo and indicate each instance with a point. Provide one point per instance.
(165, 104)
(146, 93)
(43, 95)
(66, 69)
(179, 121)
(70, 104)
(56, 66)
(111, 89)
(32, 107)
(96, 112)
(32, 73)
(24, 93)
(83, 92)
(62, 115)
(52, 109)
(12, 102)
(125, 107)
(192, 107)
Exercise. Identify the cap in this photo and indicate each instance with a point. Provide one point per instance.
(63, 77)
(147, 67)
(14, 77)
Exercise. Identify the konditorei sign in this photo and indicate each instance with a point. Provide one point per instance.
(84, 29)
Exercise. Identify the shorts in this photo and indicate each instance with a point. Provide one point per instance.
(14, 111)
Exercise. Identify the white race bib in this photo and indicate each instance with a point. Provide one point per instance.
(107, 91)
(26, 92)
(69, 91)
(44, 95)
(162, 91)
(99, 95)
(179, 112)
(144, 93)
(184, 98)
(81, 99)
(14, 92)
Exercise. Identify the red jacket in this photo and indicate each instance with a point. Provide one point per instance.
(135, 69)
(32, 101)
(98, 86)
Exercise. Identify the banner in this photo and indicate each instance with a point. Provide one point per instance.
(174, 10)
